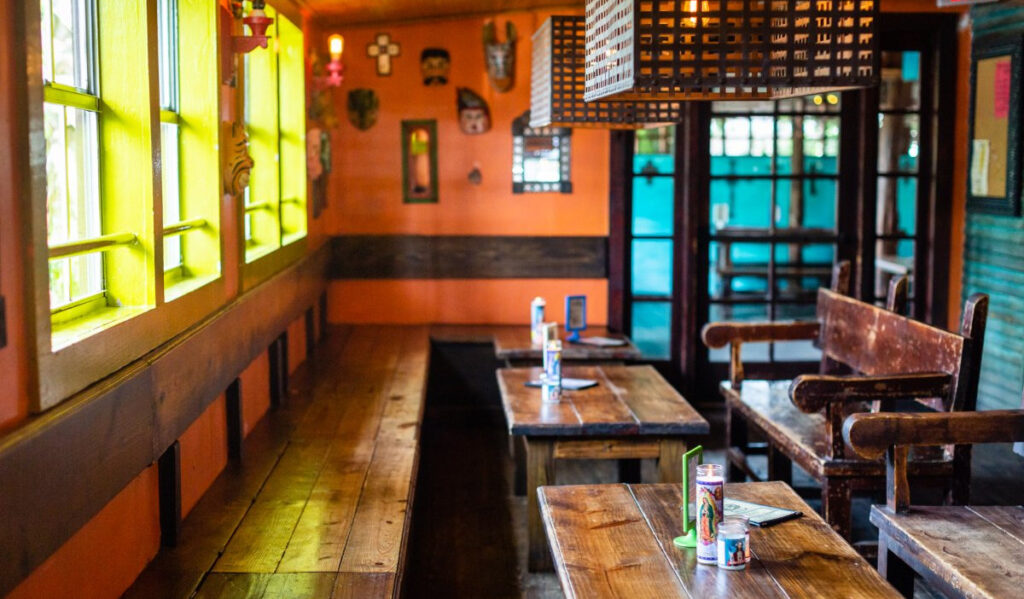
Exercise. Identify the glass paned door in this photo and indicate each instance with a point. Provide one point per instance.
(774, 176)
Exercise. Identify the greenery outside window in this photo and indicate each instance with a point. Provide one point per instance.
(275, 201)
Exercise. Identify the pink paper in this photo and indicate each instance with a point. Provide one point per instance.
(1001, 86)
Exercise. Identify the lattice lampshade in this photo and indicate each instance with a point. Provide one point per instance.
(728, 49)
(557, 78)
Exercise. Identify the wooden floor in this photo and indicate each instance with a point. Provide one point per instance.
(318, 507)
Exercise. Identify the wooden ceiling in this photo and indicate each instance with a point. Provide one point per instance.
(353, 12)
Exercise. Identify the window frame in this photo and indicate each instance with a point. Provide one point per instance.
(284, 221)
(68, 358)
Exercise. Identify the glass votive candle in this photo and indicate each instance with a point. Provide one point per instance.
(550, 393)
(733, 543)
(710, 495)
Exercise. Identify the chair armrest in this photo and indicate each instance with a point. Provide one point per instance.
(870, 435)
(812, 392)
(720, 334)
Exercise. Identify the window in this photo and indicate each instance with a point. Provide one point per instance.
(71, 128)
(188, 133)
(170, 160)
(275, 201)
(108, 168)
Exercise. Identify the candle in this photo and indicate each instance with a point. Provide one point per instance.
(552, 370)
(710, 493)
(733, 543)
(536, 318)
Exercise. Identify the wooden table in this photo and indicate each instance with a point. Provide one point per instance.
(616, 541)
(962, 551)
(513, 343)
(633, 413)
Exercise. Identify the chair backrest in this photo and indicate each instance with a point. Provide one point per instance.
(875, 341)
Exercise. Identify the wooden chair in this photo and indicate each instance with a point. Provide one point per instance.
(891, 357)
(961, 551)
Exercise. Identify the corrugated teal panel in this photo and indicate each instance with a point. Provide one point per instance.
(994, 264)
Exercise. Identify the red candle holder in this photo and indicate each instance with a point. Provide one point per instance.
(258, 23)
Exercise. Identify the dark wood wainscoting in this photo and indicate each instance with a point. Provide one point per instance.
(468, 257)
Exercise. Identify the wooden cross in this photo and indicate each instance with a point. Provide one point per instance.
(383, 49)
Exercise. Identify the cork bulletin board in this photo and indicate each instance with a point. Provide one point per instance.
(993, 183)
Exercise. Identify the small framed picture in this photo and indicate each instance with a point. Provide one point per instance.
(689, 513)
(575, 315)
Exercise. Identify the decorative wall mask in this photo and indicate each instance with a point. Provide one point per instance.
(363, 105)
(474, 115)
(237, 162)
(500, 56)
(435, 63)
(383, 50)
(475, 176)
(419, 162)
(318, 166)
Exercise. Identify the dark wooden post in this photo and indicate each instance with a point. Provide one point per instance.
(323, 315)
(310, 332)
(169, 490)
(278, 369)
(236, 424)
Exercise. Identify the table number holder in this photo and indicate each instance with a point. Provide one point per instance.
(575, 316)
(691, 459)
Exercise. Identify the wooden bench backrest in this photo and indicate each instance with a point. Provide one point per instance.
(875, 341)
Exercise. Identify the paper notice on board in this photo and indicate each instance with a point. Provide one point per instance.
(1001, 90)
(979, 168)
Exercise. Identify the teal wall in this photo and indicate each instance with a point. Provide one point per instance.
(994, 262)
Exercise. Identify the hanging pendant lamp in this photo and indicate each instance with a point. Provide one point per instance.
(557, 82)
(728, 49)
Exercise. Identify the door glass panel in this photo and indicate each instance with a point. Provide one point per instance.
(901, 82)
(652, 267)
(652, 329)
(809, 203)
(897, 205)
(738, 269)
(653, 200)
(898, 138)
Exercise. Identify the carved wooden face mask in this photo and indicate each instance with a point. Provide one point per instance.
(238, 163)
(474, 115)
(363, 105)
(500, 56)
(435, 64)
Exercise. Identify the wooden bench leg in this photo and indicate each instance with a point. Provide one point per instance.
(836, 497)
(780, 467)
(736, 434)
(518, 448)
(894, 569)
(540, 471)
(670, 460)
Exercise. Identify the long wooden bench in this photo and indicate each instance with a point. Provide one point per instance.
(961, 551)
(321, 505)
(891, 357)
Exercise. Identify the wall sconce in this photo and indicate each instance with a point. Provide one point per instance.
(336, 46)
(258, 21)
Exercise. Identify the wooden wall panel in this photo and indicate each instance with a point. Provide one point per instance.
(468, 257)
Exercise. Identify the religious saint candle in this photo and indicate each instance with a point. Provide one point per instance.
(733, 543)
(710, 495)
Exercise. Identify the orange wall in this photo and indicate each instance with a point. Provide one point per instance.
(365, 192)
(255, 381)
(103, 558)
(14, 366)
(204, 453)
